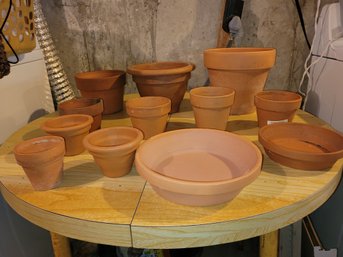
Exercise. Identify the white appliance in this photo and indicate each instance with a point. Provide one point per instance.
(325, 100)
(24, 95)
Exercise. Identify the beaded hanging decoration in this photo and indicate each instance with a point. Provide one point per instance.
(4, 64)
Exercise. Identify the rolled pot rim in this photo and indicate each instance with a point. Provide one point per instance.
(133, 144)
(195, 92)
(163, 105)
(240, 50)
(62, 107)
(99, 74)
(87, 122)
(142, 70)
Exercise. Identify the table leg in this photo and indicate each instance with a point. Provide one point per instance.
(60, 245)
(269, 244)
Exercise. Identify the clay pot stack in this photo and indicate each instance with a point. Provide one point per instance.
(105, 84)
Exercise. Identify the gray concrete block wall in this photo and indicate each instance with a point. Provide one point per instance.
(113, 34)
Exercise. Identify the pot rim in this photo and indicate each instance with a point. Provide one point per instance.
(133, 144)
(136, 111)
(143, 70)
(277, 105)
(88, 120)
(93, 108)
(239, 59)
(50, 154)
(186, 186)
(209, 97)
(99, 74)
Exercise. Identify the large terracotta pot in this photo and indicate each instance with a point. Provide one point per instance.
(149, 114)
(211, 106)
(42, 160)
(113, 149)
(243, 69)
(105, 84)
(276, 106)
(168, 79)
(73, 128)
(81, 105)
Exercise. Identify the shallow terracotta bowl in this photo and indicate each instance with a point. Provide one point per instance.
(302, 146)
(198, 167)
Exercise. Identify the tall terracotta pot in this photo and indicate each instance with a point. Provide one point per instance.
(105, 84)
(243, 69)
(168, 79)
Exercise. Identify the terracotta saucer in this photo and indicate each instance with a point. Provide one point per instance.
(198, 166)
(302, 146)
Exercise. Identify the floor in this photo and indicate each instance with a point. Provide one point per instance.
(245, 248)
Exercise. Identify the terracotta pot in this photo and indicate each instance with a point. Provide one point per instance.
(149, 114)
(168, 79)
(113, 149)
(73, 128)
(211, 106)
(42, 160)
(81, 105)
(302, 146)
(105, 84)
(198, 166)
(243, 69)
(276, 106)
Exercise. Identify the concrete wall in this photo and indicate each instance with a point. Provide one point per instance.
(113, 34)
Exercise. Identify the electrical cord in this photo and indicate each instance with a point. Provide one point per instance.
(301, 18)
(3, 35)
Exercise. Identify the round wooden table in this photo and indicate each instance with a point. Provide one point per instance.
(127, 212)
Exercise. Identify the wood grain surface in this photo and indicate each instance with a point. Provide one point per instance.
(127, 212)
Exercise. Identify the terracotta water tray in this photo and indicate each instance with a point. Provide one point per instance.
(198, 166)
(302, 146)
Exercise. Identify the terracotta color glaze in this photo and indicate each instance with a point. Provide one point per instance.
(276, 106)
(211, 106)
(168, 79)
(105, 84)
(301, 146)
(42, 160)
(149, 114)
(243, 69)
(81, 105)
(113, 149)
(73, 128)
(198, 166)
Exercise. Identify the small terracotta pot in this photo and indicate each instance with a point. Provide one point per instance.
(81, 105)
(149, 114)
(42, 160)
(113, 149)
(73, 128)
(276, 106)
(243, 69)
(168, 79)
(302, 146)
(105, 84)
(211, 106)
